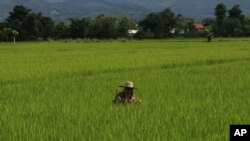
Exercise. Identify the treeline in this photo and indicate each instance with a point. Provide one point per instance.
(229, 22)
(225, 23)
(34, 26)
(25, 25)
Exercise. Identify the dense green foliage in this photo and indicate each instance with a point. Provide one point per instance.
(164, 24)
(33, 26)
(190, 90)
(159, 24)
(235, 24)
(220, 13)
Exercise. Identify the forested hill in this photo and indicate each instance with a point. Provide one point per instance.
(63, 9)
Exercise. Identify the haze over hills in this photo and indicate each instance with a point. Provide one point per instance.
(64, 9)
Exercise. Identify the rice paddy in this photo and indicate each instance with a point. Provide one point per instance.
(62, 91)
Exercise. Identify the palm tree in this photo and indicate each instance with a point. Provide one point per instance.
(7, 32)
(14, 34)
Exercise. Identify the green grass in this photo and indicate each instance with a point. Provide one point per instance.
(191, 90)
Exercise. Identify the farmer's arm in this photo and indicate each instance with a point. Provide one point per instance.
(131, 99)
(119, 98)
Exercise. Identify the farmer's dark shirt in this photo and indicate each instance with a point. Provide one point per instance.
(122, 97)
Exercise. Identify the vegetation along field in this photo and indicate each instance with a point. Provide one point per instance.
(191, 90)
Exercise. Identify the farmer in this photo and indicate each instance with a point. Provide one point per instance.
(127, 94)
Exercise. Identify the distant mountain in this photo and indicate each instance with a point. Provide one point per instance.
(64, 9)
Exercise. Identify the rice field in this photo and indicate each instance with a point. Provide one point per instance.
(191, 90)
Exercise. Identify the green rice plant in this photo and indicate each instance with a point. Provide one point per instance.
(190, 90)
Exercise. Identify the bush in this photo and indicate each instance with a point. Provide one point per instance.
(143, 35)
(247, 30)
(198, 33)
(238, 32)
(140, 34)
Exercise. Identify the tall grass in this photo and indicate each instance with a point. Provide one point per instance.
(190, 90)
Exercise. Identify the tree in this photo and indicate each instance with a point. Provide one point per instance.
(31, 27)
(140, 35)
(247, 26)
(235, 23)
(220, 13)
(2, 25)
(235, 12)
(19, 13)
(190, 29)
(247, 30)
(14, 34)
(184, 25)
(7, 33)
(76, 28)
(106, 27)
(17, 17)
(1, 35)
(125, 23)
(61, 31)
(169, 21)
(209, 21)
(232, 27)
(47, 27)
(88, 24)
(159, 24)
(152, 24)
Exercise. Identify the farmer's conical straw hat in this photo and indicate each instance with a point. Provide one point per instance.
(129, 84)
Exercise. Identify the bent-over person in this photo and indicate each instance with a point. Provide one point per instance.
(127, 95)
